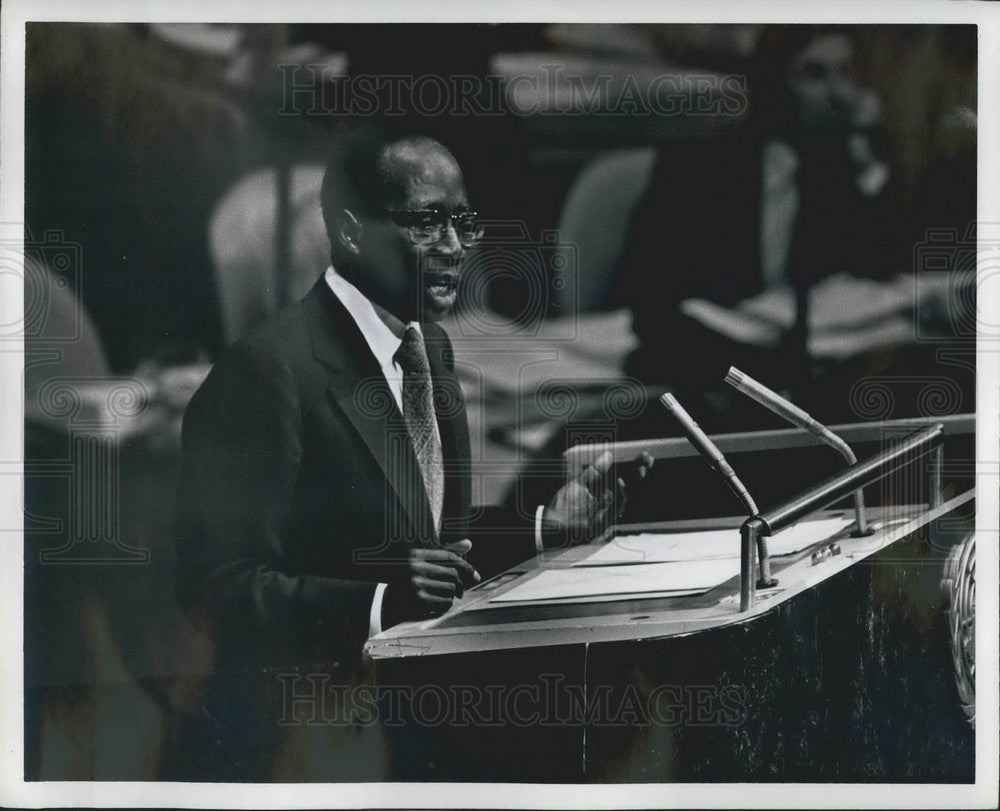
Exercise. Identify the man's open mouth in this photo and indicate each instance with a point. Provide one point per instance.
(441, 284)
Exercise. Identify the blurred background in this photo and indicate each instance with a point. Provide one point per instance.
(661, 201)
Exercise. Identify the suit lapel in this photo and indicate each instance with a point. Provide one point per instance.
(360, 391)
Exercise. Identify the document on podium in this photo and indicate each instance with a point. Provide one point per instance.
(662, 547)
(675, 578)
(657, 564)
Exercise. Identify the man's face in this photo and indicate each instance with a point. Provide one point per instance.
(412, 280)
(826, 95)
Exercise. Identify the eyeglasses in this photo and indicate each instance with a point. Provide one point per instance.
(428, 226)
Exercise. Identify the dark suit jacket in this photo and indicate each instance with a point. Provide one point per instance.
(300, 489)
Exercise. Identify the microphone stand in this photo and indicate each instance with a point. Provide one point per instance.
(795, 415)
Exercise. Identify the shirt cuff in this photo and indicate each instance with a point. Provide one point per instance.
(375, 617)
(538, 529)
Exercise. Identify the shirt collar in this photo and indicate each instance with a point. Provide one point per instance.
(383, 343)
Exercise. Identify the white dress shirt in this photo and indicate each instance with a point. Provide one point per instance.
(779, 206)
(384, 344)
(381, 340)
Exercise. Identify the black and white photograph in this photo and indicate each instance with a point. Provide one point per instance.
(457, 407)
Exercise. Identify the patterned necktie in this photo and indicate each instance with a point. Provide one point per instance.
(418, 414)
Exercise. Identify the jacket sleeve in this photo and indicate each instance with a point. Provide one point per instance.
(242, 448)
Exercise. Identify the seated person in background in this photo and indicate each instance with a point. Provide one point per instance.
(798, 194)
(739, 234)
(325, 491)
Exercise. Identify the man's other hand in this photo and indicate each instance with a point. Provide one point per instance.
(433, 578)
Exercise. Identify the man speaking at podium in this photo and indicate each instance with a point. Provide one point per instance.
(325, 491)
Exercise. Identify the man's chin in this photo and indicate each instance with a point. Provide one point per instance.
(432, 316)
(438, 303)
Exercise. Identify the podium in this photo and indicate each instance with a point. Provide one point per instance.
(654, 654)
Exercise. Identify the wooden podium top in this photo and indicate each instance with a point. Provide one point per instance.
(479, 622)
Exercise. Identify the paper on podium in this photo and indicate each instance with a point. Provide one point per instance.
(615, 582)
(661, 547)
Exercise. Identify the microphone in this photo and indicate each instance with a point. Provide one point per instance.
(717, 461)
(708, 450)
(796, 416)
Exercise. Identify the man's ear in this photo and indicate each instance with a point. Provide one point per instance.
(348, 232)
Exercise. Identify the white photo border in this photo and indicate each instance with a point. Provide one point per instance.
(15, 792)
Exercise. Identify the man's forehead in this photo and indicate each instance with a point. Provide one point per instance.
(422, 169)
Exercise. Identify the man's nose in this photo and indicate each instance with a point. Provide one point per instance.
(449, 242)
